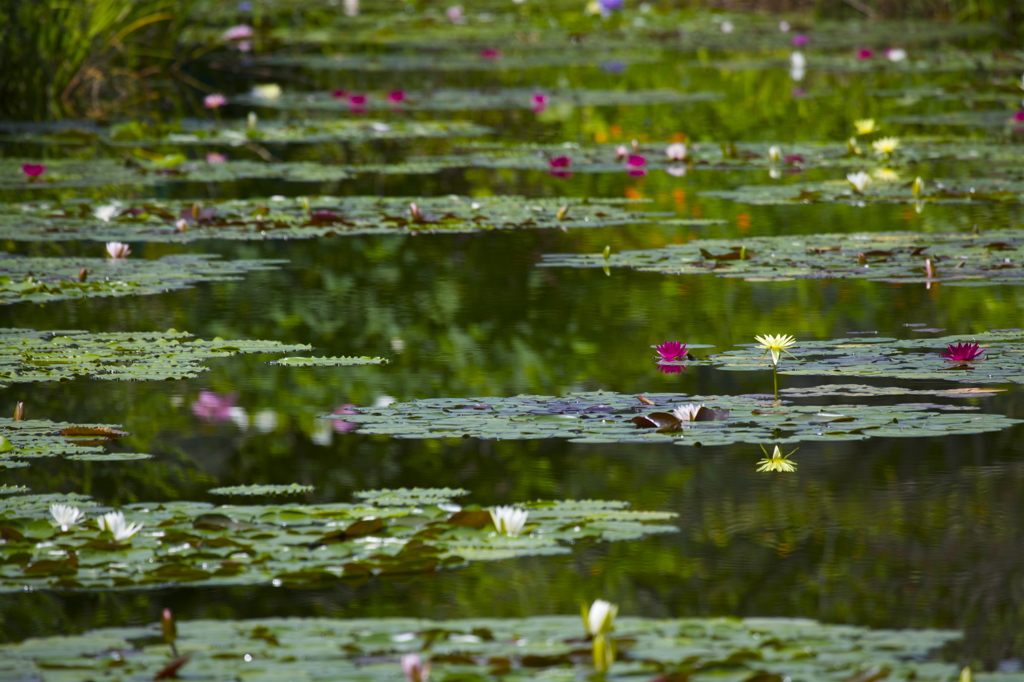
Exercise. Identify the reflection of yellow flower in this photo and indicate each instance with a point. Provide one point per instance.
(777, 461)
(865, 126)
(886, 145)
(886, 175)
(776, 345)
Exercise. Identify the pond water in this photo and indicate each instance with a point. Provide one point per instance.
(893, 532)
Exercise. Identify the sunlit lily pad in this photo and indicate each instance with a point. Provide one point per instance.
(238, 133)
(37, 438)
(461, 99)
(540, 647)
(608, 418)
(263, 489)
(294, 545)
(961, 258)
(27, 355)
(41, 280)
(329, 362)
(308, 217)
(1002, 361)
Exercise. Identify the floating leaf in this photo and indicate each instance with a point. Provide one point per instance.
(263, 489)
(31, 439)
(329, 362)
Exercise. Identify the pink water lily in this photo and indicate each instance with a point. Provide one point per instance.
(799, 40)
(671, 369)
(671, 351)
(1018, 117)
(215, 157)
(339, 94)
(357, 100)
(540, 102)
(676, 151)
(963, 352)
(636, 161)
(865, 54)
(33, 170)
(340, 425)
(415, 668)
(490, 53)
(396, 96)
(454, 13)
(118, 250)
(213, 407)
(240, 32)
(214, 101)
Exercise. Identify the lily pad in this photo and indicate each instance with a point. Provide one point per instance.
(539, 647)
(263, 489)
(27, 355)
(33, 439)
(41, 280)
(610, 418)
(239, 134)
(308, 217)
(329, 362)
(1002, 362)
(294, 545)
(464, 61)
(959, 258)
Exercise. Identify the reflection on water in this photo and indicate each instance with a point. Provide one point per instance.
(919, 532)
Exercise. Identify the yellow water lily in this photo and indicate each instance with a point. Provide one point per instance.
(776, 345)
(886, 175)
(885, 145)
(776, 461)
(865, 126)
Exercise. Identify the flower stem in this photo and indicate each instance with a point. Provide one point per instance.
(775, 381)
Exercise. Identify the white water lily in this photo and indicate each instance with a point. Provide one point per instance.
(105, 213)
(599, 617)
(509, 520)
(886, 145)
(860, 180)
(687, 413)
(415, 668)
(797, 66)
(775, 153)
(118, 527)
(118, 250)
(896, 54)
(65, 516)
(676, 151)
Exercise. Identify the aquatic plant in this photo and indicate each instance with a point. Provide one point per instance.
(599, 617)
(885, 145)
(415, 668)
(865, 126)
(776, 345)
(65, 515)
(676, 151)
(118, 249)
(963, 352)
(688, 412)
(671, 351)
(33, 170)
(509, 520)
(214, 100)
(860, 180)
(776, 461)
(115, 524)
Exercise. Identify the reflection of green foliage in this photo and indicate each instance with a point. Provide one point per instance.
(968, 259)
(27, 355)
(607, 418)
(41, 280)
(295, 545)
(481, 649)
(309, 217)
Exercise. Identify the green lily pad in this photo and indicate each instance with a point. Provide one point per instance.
(239, 134)
(463, 99)
(539, 647)
(27, 355)
(263, 489)
(531, 59)
(610, 418)
(329, 362)
(33, 439)
(1002, 362)
(41, 280)
(108, 172)
(295, 545)
(8, 489)
(307, 217)
(960, 258)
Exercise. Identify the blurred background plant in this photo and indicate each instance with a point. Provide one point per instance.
(85, 57)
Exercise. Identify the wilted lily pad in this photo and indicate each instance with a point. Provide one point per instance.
(307, 217)
(1002, 361)
(613, 418)
(959, 258)
(295, 545)
(263, 489)
(29, 355)
(41, 280)
(37, 438)
(539, 647)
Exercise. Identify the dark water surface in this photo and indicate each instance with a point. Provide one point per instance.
(920, 532)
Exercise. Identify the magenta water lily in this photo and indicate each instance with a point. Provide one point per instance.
(963, 352)
(671, 351)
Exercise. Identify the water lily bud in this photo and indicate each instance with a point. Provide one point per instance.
(774, 153)
(965, 674)
(168, 627)
(414, 213)
(82, 274)
(851, 146)
(304, 202)
(19, 411)
(607, 252)
(562, 212)
(251, 120)
(598, 619)
(917, 187)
